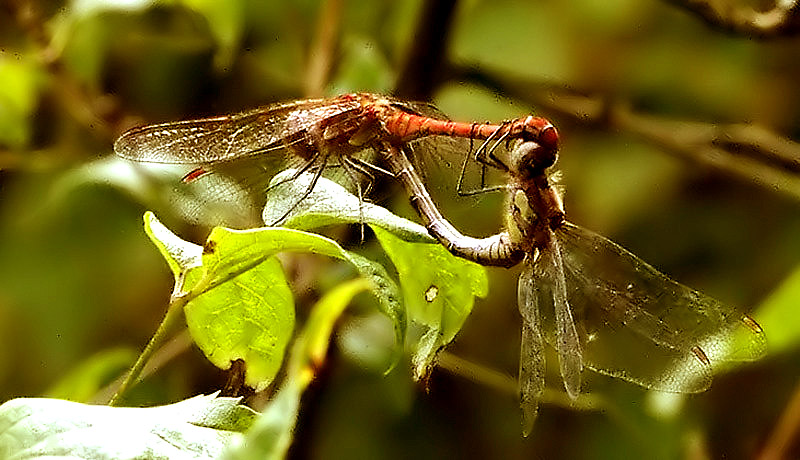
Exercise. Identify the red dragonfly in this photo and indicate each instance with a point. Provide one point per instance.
(599, 305)
(312, 135)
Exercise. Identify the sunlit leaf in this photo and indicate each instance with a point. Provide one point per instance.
(329, 203)
(312, 344)
(244, 303)
(199, 427)
(181, 255)
(250, 316)
(272, 432)
(439, 290)
(439, 293)
(778, 315)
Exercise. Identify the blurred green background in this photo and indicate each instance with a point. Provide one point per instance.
(82, 289)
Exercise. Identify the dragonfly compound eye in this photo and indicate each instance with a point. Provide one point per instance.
(542, 131)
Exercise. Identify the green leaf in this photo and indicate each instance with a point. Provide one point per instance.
(329, 203)
(271, 435)
(312, 344)
(180, 255)
(252, 244)
(242, 309)
(199, 427)
(248, 317)
(439, 293)
(19, 94)
(778, 315)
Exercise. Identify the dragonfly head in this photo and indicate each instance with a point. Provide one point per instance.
(530, 159)
(541, 131)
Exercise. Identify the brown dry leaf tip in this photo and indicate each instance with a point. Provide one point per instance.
(701, 355)
(752, 324)
(431, 293)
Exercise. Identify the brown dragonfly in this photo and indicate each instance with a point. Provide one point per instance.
(598, 304)
(313, 135)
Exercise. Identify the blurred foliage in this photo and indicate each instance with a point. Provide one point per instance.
(78, 277)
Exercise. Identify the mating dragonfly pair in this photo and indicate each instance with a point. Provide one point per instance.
(600, 306)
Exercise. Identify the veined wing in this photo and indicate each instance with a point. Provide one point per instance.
(243, 151)
(531, 355)
(228, 137)
(639, 325)
(551, 291)
(568, 345)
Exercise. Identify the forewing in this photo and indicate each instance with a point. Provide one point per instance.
(639, 325)
(531, 356)
(238, 155)
(228, 137)
(567, 342)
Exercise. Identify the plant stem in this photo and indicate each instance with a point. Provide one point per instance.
(164, 329)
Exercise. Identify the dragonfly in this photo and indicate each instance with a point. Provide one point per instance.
(313, 135)
(599, 305)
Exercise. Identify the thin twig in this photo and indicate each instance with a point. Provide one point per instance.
(323, 48)
(504, 383)
(166, 353)
(166, 327)
(782, 20)
(751, 152)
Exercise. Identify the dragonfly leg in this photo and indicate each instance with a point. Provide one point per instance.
(302, 169)
(309, 165)
(484, 155)
(349, 169)
(365, 166)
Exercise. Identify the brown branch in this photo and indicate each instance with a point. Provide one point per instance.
(782, 20)
(323, 48)
(421, 71)
(745, 151)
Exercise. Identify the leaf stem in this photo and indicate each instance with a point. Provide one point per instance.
(167, 325)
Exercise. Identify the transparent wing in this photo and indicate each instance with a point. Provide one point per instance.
(234, 193)
(639, 325)
(238, 155)
(228, 137)
(567, 342)
(531, 355)
(440, 160)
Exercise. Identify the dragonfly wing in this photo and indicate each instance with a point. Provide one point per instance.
(229, 137)
(531, 359)
(201, 141)
(567, 342)
(238, 155)
(641, 326)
